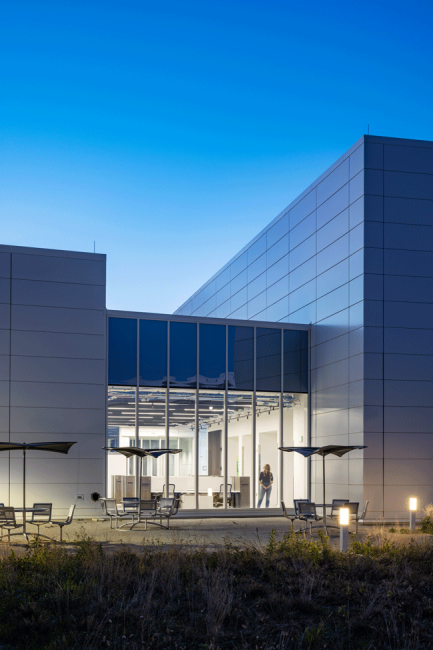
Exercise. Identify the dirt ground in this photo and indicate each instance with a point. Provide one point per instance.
(211, 533)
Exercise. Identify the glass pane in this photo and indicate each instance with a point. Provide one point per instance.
(182, 436)
(211, 449)
(122, 351)
(268, 359)
(151, 433)
(267, 427)
(212, 357)
(183, 355)
(240, 450)
(153, 353)
(121, 433)
(241, 358)
(295, 434)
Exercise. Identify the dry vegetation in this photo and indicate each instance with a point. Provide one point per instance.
(290, 593)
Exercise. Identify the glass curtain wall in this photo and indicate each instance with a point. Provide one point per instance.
(227, 395)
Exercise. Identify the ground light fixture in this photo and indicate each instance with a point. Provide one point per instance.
(344, 529)
(413, 503)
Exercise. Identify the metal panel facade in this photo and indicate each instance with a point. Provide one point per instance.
(360, 269)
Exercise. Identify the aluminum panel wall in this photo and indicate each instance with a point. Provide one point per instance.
(56, 371)
(361, 263)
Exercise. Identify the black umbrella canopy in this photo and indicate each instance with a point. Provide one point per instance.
(337, 450)
(59, 447)
(142, 453)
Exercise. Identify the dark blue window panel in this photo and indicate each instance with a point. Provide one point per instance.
(122, 351)
(153, 353)
(241, 358)
(268, 359)
(409, 159)
(410, 211)
(412, 186)
(295, 368)
(183, 355)
(212, 356)
(373, 181)
(408, 314)
(373, 156)
(403, 237)
(409, 263)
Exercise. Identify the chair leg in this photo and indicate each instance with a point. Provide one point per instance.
(61, 534)
(357, 528)
(9, 536)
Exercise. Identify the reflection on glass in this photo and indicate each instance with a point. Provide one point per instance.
(240, 450)
(212, 356)
(241, 358)
(182, 436)
(211, 449)
(268, 359)
(295, 344)
(183, 355)
(153, 353)
(121, 433)
(122, 351)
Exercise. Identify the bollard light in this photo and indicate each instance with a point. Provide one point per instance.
(413, 504)
(344, 529)
(209, 492)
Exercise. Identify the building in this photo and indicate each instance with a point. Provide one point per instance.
(319, 331)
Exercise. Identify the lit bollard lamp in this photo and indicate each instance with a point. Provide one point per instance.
(412, 507)
(344, 529)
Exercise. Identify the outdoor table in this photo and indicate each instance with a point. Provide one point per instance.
(25, 533)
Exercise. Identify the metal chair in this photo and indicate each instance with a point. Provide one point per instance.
(171, 490)
(289, 515)
(362, 516)
(67, 521)
(43, 516)
(147, 510)
(307, 513)
(167, 508)
(110, 509)
(8, 521)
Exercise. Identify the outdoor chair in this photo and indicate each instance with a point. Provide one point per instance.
(146, 511)
(111, 510)
(219, 498)
(307, 513)
(167, 508)
(67, 521)
(130, 505)
(8, 521)
(362, 516)
(43, 516)
(291, 516)
(171, 491)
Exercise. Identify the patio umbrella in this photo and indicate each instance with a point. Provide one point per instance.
(58, 447)
(142, 453)
(336, 450)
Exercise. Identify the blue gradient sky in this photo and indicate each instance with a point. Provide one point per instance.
(172, 132)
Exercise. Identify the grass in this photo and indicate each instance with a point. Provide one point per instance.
(287, 594)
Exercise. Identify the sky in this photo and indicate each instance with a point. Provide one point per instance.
(170, 133)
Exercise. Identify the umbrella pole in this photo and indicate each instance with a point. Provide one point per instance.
(24, 491)
(324, 500)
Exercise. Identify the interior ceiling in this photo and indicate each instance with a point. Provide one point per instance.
(121, 407)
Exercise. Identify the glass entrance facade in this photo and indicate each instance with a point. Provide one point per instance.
(227, 395)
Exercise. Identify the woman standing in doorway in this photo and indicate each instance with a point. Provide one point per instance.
(265, 485)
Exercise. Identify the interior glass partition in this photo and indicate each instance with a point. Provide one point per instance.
(151, 435)
(211, 449)
(182, 436)
(240, 449)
